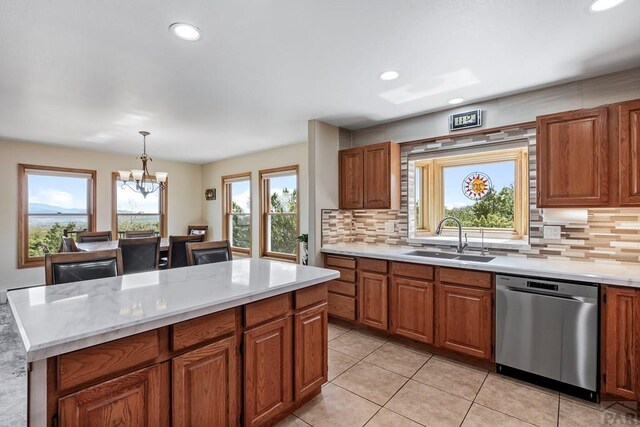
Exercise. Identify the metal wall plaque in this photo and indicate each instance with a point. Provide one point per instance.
(465, 120)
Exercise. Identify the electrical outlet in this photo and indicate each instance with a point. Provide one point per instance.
(389, 227)
(552, 232)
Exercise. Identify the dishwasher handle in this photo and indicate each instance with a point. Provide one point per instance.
(536, 291)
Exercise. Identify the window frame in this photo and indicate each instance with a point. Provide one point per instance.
(227, 200)
(432, 197)
(163, 208)
(24, 260)
(264, 212)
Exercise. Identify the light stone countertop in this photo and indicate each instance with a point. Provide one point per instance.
(58, 319)
(609, 274)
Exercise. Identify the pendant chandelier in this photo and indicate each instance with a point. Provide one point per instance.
(145, 183)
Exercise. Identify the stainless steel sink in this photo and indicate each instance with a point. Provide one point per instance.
(447, 255)
(427, 254)
(474, 258)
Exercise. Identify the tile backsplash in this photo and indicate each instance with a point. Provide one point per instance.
(611, 235)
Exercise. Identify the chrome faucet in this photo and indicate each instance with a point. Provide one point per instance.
(461, 246)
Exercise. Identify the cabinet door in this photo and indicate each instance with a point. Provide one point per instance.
(377, 172)
(572, 159)
(138, 399)
(622, 332)
(311, 344)
(412, 309)
(629, 134)
(351, 178)
(205, 386)
(268, 372)
(465, 320)
(373, 300)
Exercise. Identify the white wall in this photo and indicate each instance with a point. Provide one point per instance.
(184, 190)
(324, 141)
(212, 173)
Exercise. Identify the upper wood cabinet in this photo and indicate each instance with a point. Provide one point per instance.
(572, 150)
(629, 136)
(621, 336)
(370, 177)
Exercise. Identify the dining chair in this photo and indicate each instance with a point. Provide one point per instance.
(177, 256)
(140, 254)
(67, 244)
(93, 236)
(128, 234)
(198, 229)
(77, 266)
(208, 252)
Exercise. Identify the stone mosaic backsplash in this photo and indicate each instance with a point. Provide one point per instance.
(611, 235)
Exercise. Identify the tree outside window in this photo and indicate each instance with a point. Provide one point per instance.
(280, 213)
(237, 212)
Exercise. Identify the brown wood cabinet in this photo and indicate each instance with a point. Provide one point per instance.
(373, 300)
(572, 150)
(138, 399)
(311, 354)
(370, 177)
(465, 320)
(205, 386)
(629, 136)
(268, 373)
(412, 309)
(621, 336)
(342, 292)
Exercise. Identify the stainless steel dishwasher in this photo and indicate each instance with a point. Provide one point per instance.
(547, 331)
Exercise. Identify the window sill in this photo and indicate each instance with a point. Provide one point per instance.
(489, 243)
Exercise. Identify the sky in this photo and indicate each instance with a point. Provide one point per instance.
(133, 201)
(501, 173)
(64, 192)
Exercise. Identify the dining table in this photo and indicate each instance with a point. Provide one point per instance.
(113, 244)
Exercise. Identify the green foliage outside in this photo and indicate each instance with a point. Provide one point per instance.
(241, 231)
(495, 210)
(284, 226)
(46, 239)
(139, 222)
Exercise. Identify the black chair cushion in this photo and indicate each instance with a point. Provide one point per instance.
(208, 256)
(138, 258)
(77, 271)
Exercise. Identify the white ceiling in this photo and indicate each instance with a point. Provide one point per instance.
(91, 73)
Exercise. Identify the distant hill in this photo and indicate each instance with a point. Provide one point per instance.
(43, 208)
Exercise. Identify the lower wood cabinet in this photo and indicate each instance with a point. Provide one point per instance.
(373, 300)
(465, 320)
(621, 335)
(412, 309)
(138, 399)
(311, 354)
(205, 386)
(268, 373)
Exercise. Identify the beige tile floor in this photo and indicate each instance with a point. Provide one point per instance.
(375, 382)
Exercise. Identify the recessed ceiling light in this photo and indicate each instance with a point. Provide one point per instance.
(455, 101)
(601, 5)
(185, 31)
(389, 75)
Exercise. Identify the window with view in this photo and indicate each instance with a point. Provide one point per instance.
(483, 190)
(279, 203)
(237, 212)
(53, 202)
(132, 211)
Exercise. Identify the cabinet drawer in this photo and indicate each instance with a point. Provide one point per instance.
(347, 275)
(342, 288)
(342, 306)
(309, 296)
(89, 364)
(416, 271)
(374, 265)
(268, 309)
(479, 279)
(202, 329)
(342, 262)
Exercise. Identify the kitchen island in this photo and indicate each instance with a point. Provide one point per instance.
(203, 345)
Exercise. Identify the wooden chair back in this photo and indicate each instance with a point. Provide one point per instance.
(128, 234)
(208, 252)
(67, 245)
(140, 254)
(76, 266)
(198, 229)
(93, 236)
(177, 255)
